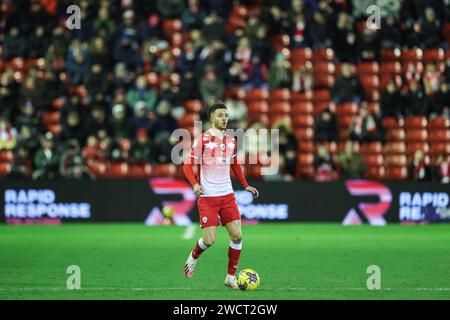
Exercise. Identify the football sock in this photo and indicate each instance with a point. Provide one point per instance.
(200, 246)
(234, 251)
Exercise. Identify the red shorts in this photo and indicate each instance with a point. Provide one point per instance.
(210, 209)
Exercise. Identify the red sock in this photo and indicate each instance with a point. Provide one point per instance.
(200, 246)
(234, 252)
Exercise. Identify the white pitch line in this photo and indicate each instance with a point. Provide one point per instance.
(189, 232)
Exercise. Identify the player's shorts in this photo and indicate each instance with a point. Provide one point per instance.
(217, 210)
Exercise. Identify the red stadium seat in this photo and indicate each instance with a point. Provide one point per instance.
(324, 67)
(416, 135)
(344, 121)
(395, 135)
(117, 170)
(279, 94)
(439, 147)
(253, 171)
(55, 129)
(5, 169)
(140, 171)
(306, 172)
(305, 146)
(437, 55)
(322, 95)
(438, 123)
(305, 159)
(416, 122)
(258, 107)
(390, 68)
(375, 172)
(280, 107)
(390, 55)
(323, 54)
(257, 94)
(193, 106)
(306, 96)
(164, 170)
(368, 68)
(442, 135)
(396, 160)
(6, 156)
(392, 123)
(51, 118)
(188, 120)
(344, 134)
(237, 91)
(303, 121)
(394, 148)
(302, 108)
(323, 81)
(371, 94)
(412, 55)
(171, 26)
(304, 134)
(412, 147)
(373, 160)
(276, 119)
(347, 108)
(372, 148)
(369, 81)
(396, 173)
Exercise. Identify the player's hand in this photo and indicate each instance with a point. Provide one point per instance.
(253, 190)
(198, 190)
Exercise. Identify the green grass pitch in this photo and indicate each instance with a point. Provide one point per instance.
(295, 261)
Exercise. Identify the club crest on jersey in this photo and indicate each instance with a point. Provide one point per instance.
(204, 219)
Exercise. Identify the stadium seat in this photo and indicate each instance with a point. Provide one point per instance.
(394, 148)
(369, 81)
(389, 55)
(305, 159)
(6, 156)
(306, 172)
(368, 68)
(299, 107)
(253, 171)
(344, 121)
(323, 67)
(371, 94)
(390, 68)
(304, 134)
(171, 26)
(412, 147)
(347, 108)
(392, 123)
(306, 146)
(396, 160)
(416, 135)
(395, 135)
(438, 148)
(374, 107)
(140, 171)
(323, 54)
(236, 91)
(117, 170)
(51, 118)
(306, 96)
(320, 106)
(416, 122)
(55, 129)
(396, 173)
(373, 160)
(258, 107)
(279, 94)
(322, 95)
(278, 118)
(303, 121)
(257, 94)
(438, 123)
(375, 147)
(375, 172)
(323, 81)
(165, 170)
(280, 107)
(412, 55)
(188, 120)
(437, 55)
(5, 169)
(442, 135)
(344, 134)
(193, 106)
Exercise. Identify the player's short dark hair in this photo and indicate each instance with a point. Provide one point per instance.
(214, 107)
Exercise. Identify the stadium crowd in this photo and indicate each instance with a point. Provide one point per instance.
(103, 100)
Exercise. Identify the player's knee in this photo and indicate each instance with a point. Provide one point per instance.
(209, 241)
(236, 238)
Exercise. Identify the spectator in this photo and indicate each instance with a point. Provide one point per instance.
(390, 34)
(351, 163)
(14, 44)
(192, 17)
(213, 27)
(369, 46)
(257, 73)
(298, 32)
(37, 43)
(326, 127)
(170, 9)
(46, 159)
(141, 92)
(431, 78)
(279, 72)
(390, 101)
(126, 50)
(344, 38)
(28, 117)
(431, 35)
(21, 165)
(441, 170)
(419, 169)
(347, 88)
(72, 128)
(414, 101)
(143, 119)
(440, 101)
(95, 81)
(211, 87)
(288, 152)
(318, 31)
(141, 150)
(9, 93)
(366, 127)
(119, 124)
(324, 167)
(303, 78)
(237, 111)
(8, 135)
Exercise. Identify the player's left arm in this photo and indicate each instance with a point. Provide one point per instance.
(237, 170)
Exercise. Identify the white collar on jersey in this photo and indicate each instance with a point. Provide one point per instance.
(214, 134)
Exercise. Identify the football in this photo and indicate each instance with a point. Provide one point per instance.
(248, 279)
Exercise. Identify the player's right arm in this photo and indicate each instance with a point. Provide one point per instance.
(188, 166)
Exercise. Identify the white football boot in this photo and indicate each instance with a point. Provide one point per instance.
(231, 282)
(189, 266)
